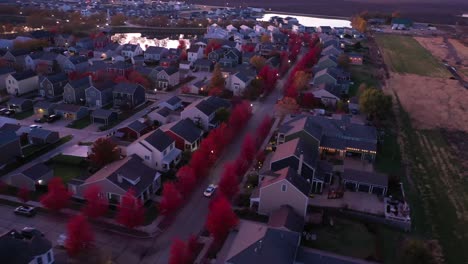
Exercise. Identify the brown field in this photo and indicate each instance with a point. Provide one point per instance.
(432, 102)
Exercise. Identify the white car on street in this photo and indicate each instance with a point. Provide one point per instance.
(210, 190)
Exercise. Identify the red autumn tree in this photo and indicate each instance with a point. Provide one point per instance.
(308, 100)
(221, 219)
(248, 48)
(182, 45)
(171, 199)
(248, 148)
(186, 180)
(79, 235)
(198, 163)
(241, 166)
(24, 195)
(239, 116)
(103, 152)
(264, 128)
(96, 204)
(212, 45)
(229, 183)
(131, 212)
(57, 196)
(183, 252)
(136, 77)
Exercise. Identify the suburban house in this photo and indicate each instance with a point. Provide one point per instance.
(203, 65)
(4, 72)
(331, 50)
(131, 50)
(167, 77)
(16, 58)
(215, 55)
(240, 81)
(203, 112)
(64, 40)
(161, 116)
(39, 136)
(194, 53)
(38, 174)
(333, 76)
(20, 104)
(120, 68)
(155, 54)
(157, 150)
(282, 187)
(134, 130)
(325, 29)
(44, 62)
(332, 135)
(10, 147)
(117, 178)
(302, 156)
(44, 108)
(52, 85)
(99, 94)
(103, 116)
(326, 62)
(108, 51)
(233, 55)
(196, 87)
(34, 248)
(22, 82)
(326, 97)
(74, 91)
(75, 64)
(172, 103)
(71, 112)
(186, 134)
(128, 95)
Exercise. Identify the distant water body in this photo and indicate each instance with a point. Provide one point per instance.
(310, 21)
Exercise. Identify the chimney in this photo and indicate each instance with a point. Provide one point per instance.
(301, 161)
(119, 178)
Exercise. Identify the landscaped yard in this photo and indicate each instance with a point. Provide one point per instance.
(68, 167)
(403, 54)
(81, 123)
(23, 115)
(365, 73)
(437, 191)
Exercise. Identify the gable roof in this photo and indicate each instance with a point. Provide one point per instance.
(13, 242)
(102, 113)
(285, 217)
(290, 175)
(19, 76)
(362, 176)
(7, 137)
(6, 70)
(130, 47)
(80, 83)
(174, 100)
(155, 50)
(40, 133)
(187, 130)
(137, 126)
(165, 111)
(78, 59)
(71, 108)
(127, 88)
(274, 247)
(159, 140)
(296, 147)
(55, 78)
(36, 171)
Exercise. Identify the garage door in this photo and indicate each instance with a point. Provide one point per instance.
(364, 188)
(99, 120)
(378, 190)
(350, 186)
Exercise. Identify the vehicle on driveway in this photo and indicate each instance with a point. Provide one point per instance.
(39, 120)
(34, 126)
(3, 111)
(61, 240)
(52, 118)
(210, 190)
(25, 210)
(10, 112)
(30, 232)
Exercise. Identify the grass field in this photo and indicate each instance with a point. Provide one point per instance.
(437, 191)
(404, 54)
(68, 167)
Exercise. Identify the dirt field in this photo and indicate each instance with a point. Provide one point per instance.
(432, 102)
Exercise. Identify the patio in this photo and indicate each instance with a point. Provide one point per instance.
(357, 201)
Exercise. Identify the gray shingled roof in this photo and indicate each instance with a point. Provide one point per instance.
(159, 140)
(44, 104)
(276, 247)
(102, 113)
(187, 130)
(285, 217)
(23, 75)
(71, 108)
(361, 176)
(137, 126)
(296, 147)
(7, 137)
(174, 100)
(80, 83)
(12, 242)
(40, 133)
(78, 59)
(127, 88)
(5, 70)
(37, 171)
(155, 50)
(165, 112)
(133, 170)
(57, 77)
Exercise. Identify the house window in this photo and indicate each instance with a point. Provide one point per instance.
(283, 187)
(49, 257)
(188, 146)
(165, 152)
(147, 157)
(39, 260)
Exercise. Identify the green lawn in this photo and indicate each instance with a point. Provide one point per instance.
(389, 158)
(23, 115)
(68, 167)
(403, 54)
(436, 189)
(81, 123)
(365, 73)
(346, 237)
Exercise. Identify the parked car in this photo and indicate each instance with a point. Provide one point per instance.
(10, 112)
(3, 111)
(52, 118)
(210, 190)
(61, 240)
(39, 120)
(29, 232)
(25, 210)
(34, 126)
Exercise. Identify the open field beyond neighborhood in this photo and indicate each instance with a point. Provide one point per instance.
(405, 55)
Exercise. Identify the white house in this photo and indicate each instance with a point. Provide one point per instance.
(131, 50)
(157, 150)
(168, 77)
(326, 97)
(22, 82)
(202, 112)
(239, 82)
(194, 53)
